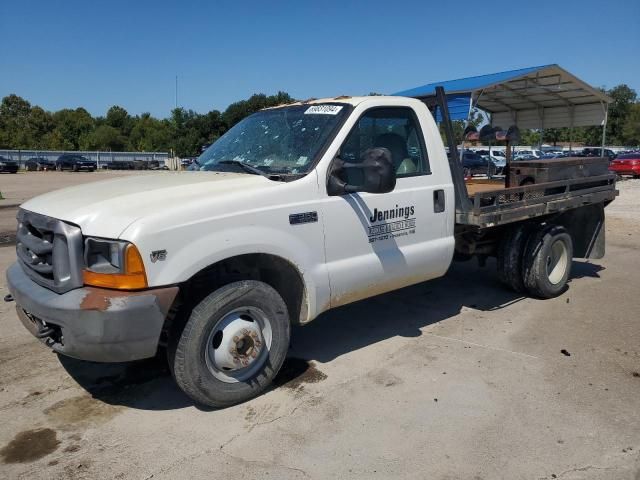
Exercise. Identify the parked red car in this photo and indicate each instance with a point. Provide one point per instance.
(627, 164)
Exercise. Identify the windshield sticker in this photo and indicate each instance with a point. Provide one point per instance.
(301, 160)
(323, 110)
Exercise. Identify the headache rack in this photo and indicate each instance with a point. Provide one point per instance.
(505, 205)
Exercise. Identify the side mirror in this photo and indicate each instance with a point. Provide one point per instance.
(378, 174)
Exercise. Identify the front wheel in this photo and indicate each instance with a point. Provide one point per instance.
(232, 345)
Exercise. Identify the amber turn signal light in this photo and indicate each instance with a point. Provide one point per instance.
(133, 278)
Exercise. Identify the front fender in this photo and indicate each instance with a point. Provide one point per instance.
(187, 256)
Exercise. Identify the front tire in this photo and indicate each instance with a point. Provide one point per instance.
(232, 345)
(547, 262)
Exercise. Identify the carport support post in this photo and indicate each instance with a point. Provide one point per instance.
(571, 108)
(604, 128)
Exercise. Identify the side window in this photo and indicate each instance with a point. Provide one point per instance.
(396, 129)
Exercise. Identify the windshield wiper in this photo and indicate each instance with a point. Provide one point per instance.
(245, 166)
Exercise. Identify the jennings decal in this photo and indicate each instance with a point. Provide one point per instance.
(393, 223)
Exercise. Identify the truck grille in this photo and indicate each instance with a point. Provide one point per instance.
(50, 251)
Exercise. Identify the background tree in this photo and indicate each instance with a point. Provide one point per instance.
(104, 137)
(23, 126)
(70, 127)
(149, 134)
(623, 98)
(631, 128)
(14, 122)
(238, 110)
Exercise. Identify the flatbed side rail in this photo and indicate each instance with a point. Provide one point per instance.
(507, 205)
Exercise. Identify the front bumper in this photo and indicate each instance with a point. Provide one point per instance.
(8, 168)
(90, 323)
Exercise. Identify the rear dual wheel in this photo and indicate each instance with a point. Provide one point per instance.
(547, 263)
(536, 261)
(511, 256)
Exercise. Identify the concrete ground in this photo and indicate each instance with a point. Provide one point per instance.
(456, 378)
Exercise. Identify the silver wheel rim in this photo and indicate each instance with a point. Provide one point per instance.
(238, 345)
(557, 262)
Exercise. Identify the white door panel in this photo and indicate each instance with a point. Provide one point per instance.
(379, 242)
(405, 244)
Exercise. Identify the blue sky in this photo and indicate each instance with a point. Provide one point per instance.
(96, 53)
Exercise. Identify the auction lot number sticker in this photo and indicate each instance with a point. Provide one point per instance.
(323, 110)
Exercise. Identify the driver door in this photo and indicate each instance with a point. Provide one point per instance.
(375, 243)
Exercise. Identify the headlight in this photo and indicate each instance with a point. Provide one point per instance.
(113, 264)
(2, 164)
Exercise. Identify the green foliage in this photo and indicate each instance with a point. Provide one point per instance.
(185, 131)
(237, 111)
(70, 127)
(623, 98)
(631, 127)
(475, 119)
(104, 137)
(23, 126)
(530, 137)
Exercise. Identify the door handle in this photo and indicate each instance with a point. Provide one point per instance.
(438, 201)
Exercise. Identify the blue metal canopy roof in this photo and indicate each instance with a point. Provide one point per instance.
(535, 97)
(470, 83)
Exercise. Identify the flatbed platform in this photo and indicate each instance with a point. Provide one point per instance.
(491, 207)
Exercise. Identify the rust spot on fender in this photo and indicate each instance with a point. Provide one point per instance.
(100, 299)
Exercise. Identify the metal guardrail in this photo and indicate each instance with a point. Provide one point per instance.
(101, 158)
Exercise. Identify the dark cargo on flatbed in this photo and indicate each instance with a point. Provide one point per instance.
(556, 169)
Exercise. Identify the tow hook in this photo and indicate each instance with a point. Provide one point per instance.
(8, 298)
(44, 332)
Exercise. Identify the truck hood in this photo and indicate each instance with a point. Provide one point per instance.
(106, 208)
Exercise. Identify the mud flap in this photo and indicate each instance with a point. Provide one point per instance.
(587, 228)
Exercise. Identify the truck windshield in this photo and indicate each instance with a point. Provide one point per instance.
(280, 141)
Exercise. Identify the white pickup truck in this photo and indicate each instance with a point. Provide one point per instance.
(295, 210)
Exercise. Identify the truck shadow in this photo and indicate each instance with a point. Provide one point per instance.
(148, 385)
(402, 312)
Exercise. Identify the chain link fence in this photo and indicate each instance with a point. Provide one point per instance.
(139, 160)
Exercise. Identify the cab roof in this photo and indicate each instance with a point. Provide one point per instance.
(340, 99)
